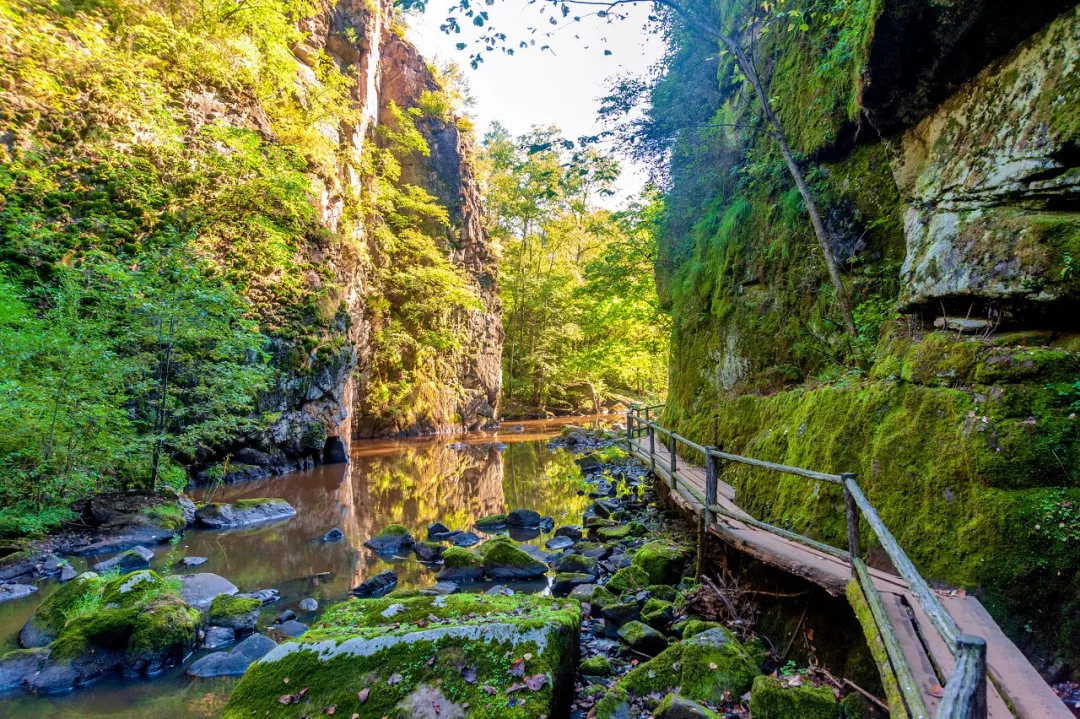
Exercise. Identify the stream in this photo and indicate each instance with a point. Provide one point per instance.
(413, 482)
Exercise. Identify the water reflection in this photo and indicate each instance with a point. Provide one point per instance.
(412, 482)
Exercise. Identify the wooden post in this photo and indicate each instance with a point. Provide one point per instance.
(852, 522)
(629, 428)
(711, 471)
(672, 448)
(965, 691)
(652, 449)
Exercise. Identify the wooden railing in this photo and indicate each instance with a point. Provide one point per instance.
(965, 690)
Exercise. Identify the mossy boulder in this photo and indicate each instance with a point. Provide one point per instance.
(642, 638)
(628, 579)
(675, 707)
(774, 698)
(597, 667)
(602, 597)
(662, 591)
(693, 627)
(492, 523)
(234, 613)
(565, 582)
(576, 563)
(395, 539)
(48, 621)
(460, 565)
(429, 551)
(462, 649)
(702, 668)
(134, 589)
(662, 561)
(657, 613)
(503, 560)
(243, 513)
(163, 633)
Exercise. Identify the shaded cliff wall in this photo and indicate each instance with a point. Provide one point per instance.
(942, 144)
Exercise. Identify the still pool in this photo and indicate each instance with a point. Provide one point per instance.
(410, 482)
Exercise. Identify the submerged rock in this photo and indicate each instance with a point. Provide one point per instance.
(376, 586)
(334, 535)
(127, 561)
(464, 539)
(557, 543)
(15, 591)
(450, 653)
(395, 539)
(193, 561)
(309, 605)
(243, 512)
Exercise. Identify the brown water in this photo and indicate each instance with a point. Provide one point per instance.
(411, 482)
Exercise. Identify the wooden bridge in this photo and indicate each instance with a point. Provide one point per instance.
(930, 641)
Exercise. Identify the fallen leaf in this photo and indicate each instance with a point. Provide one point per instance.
(937, 691)
(491, 691)
(394, 679)
(517, 668)
(536, 682)
(285, 699)
(331, 709)
(362, 695)
(302, 693)
(514, 688)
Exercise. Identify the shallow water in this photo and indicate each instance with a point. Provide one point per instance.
(411, 482)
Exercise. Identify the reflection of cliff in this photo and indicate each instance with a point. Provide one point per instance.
(419, 485)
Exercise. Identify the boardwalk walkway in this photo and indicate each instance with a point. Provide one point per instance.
(1013, 681)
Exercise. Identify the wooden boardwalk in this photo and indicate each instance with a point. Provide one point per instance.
(1014, 689)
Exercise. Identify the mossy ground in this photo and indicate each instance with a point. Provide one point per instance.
(439, 661)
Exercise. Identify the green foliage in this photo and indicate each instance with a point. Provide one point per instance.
(577, 280)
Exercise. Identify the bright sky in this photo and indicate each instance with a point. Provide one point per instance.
(560, 86)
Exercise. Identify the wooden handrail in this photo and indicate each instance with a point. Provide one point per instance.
(966, 694)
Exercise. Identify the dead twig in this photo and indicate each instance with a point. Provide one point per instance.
(727, 602)
(796, 632)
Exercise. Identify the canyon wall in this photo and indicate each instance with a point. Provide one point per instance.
(943, 143)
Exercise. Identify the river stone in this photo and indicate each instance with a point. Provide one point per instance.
(334, 535)
(395, 539)
(464, 539)
(193, 561)
(642, 638)
(218, 637)
(675, 707)
(577, 564)
(583, 592)
(243, 512)
(67, 574)
(376, 586)
(460, 565)
(546, 524)
(428, 551)
(461, 632)
(503, 560)
(292, 628)
(19, 667)
(309, 605)
(127, 561)
(571, 530)
(442, 588)
(266, 596)
(491, 523)
(536, 553)
(235, 662)
(437, 531)
(15, 591)
(567, 581)
(237, 614)
(523, 519)
(621, 613)
(557, 543)
(200, 589)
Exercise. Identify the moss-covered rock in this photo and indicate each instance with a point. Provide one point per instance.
(693, 627)
(234, 613)
(657, 613)
(597, 667)
(662, 561)
(133, 589)
(774, 698)
(565, 582)
(577, 564)
(394, 539)
(602, 597)
(402, 650)
(492, 522)
(675, 707)
(49, 619)
(642, 638)
(702, 668)
(662, 592)
(503, 560)
(614, 534)
(628, 578)
(460, 565)
(163, 633)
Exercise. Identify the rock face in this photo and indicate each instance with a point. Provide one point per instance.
(449, 656)
(986, 176)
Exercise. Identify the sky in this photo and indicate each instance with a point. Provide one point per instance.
(560, 86)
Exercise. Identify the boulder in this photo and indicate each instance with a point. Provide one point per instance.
(565, 582)
(18, 668)
(127, 561)
(334, 535)
(243, 513)
(192, 561)
(234, 613)
(582, 592)
(266, 596)
(218, 637)
(429, 551)
(577, 563)
(619, 613)
(464, 539)
(675, 707)
(524, 519)
(546, 524)
(199, 590)
(502, 561)
(571, 530)
(630, 578)
(492, 523)
(460, 565)
(557, 543)
(437, 531)
(292, 628)
(309, 605)
(15, 591)
(376, 586)
(235, 662)
(448, 656)
(395, 539)
(662, 561)
(657, 613)
(776, 698)
(596, 667)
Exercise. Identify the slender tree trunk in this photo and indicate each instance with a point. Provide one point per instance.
(163, 408)
(824, 240)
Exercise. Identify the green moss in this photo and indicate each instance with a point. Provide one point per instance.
(578, 564)
(628, 578)
(134, 588)
(662, 561)
(163, 631)
(486, 633)
(601, 597)
(492, 521)
(106, 629)
(657, 613)
(502, 554)
(455, 557)
(68, 601)
(167, 516)
(614, 705)
(225, 607)
(773, 698)
(597, 666)
(855, 596)
(662, 591)
(614, 534)
(665, 705)
(394, 529)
